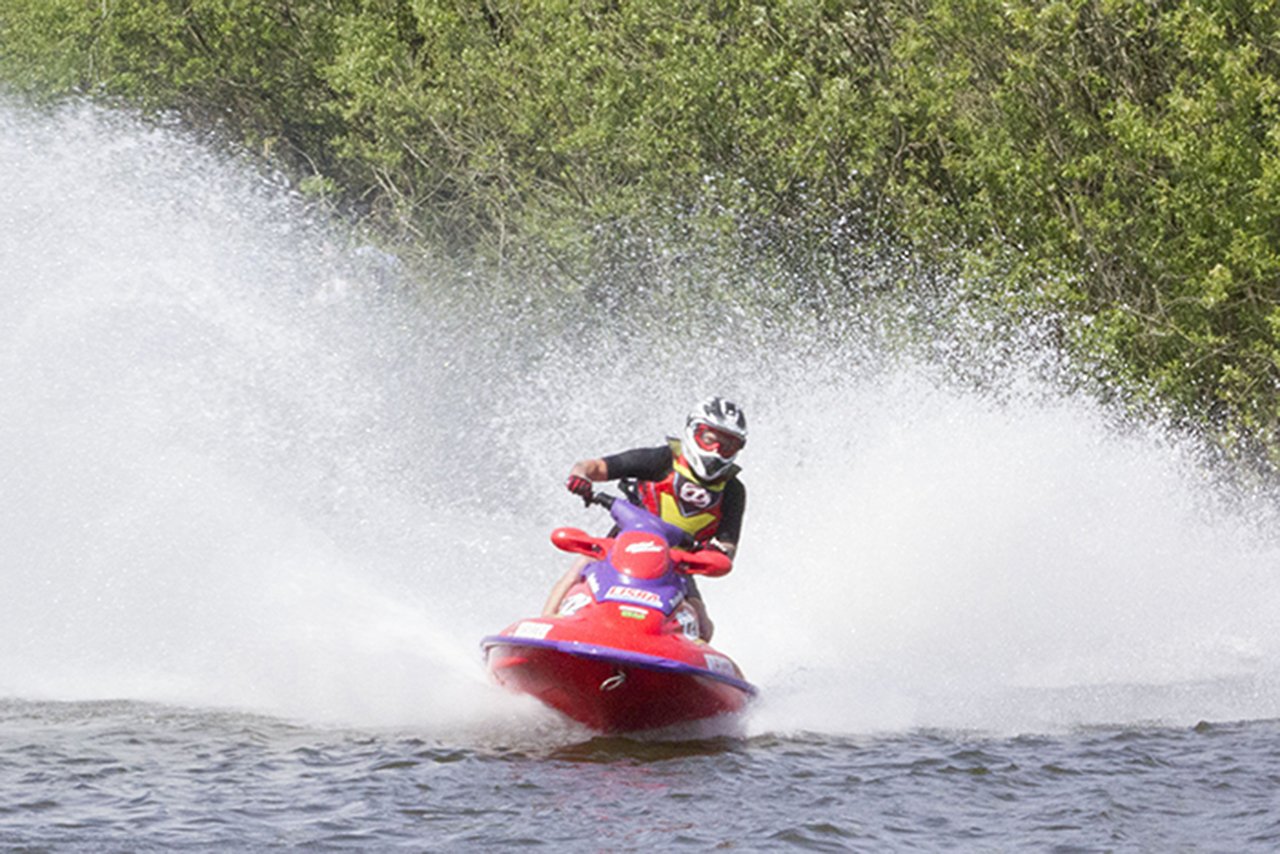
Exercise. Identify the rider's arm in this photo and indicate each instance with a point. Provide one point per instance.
(642, 463)
(639, 463)
(594, 469)
(735, 504)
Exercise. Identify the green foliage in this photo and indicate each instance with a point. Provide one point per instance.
(1115, 159)
(245, 67)
(535, 117)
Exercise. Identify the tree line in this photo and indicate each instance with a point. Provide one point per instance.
(1117, 161)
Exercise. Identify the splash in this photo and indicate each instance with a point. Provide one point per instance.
(246, 462)
(220, 441)
(1014, 566)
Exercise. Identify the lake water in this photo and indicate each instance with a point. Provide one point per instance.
(127, 776)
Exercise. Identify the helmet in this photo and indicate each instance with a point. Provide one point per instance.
(714, 433)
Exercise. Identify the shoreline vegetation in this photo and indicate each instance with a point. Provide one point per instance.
(1114, 163)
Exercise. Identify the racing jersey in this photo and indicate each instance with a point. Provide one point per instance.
(670, 489)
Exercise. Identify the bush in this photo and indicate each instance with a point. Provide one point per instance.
(1119, 159)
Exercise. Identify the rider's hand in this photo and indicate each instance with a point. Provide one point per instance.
(715, 545)
(580, 486)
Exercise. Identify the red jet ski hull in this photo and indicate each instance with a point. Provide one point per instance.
(614, 690)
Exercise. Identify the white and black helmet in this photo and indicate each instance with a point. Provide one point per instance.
(714, 433)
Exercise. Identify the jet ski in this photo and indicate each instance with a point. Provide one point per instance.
(624, 652)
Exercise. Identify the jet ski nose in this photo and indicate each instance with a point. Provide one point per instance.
(640, 554)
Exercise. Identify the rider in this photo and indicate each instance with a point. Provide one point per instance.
(691, 483)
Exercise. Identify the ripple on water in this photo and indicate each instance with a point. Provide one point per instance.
(133, 776)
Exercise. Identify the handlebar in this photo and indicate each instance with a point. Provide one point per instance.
(627, 514)
(690, 556)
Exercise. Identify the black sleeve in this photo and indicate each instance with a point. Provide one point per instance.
(640, 463)
(735, 504)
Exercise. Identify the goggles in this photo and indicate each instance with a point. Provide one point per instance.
(720, 442)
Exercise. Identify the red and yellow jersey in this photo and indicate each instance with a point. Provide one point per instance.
(680, 499)
(669, 488)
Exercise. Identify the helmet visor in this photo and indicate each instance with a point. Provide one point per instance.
(716, 441)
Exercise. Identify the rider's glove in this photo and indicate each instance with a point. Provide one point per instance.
(716, 545)
(580, 486)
